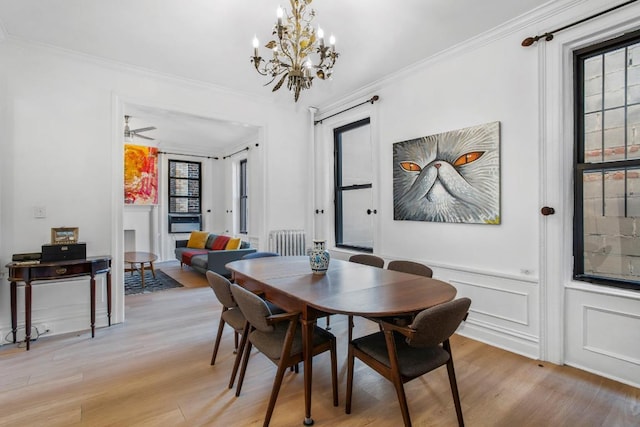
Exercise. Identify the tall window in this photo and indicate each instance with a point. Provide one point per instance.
(353, 186)
(607, 163)
(243, 196)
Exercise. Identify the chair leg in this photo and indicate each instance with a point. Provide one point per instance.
(350, 330)
(217, 344)
(395, 377)
(402, 399)
(235, 341)
(454, 384)
(334, 372)
(239, 353)
(245, 360)
(350, 357)
(328, 327)
(277, 383)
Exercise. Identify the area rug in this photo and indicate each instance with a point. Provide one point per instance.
(133, 285)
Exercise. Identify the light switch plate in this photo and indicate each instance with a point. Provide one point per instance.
(39, 212)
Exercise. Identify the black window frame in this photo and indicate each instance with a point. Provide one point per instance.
(339, 188)
(580, 166)
(244, 197)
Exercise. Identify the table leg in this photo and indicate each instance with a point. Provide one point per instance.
(109, 296)
(153, 272)
(142, 274)
(307, 339)
(27, 313)
(93, 306)
(14, 310)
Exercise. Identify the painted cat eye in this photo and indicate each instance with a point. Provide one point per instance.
(410, 166)
(468, 158)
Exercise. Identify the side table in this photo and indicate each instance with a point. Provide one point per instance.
(142, 258)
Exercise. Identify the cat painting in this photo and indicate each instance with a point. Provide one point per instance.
(449, 177)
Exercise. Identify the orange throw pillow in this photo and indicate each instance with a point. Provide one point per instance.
(233, 244)
(220, 243)
(197, 239)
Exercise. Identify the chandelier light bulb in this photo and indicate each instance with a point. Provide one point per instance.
(256, 43)
(332, 40)
(320, 33)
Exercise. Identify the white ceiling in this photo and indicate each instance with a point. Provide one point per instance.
(210, 41)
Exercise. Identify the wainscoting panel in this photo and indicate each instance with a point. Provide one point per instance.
(504, 309)
(603, 334)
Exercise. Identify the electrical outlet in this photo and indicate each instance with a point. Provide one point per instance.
(43, 328)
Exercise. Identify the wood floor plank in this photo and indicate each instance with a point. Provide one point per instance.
(153, 370)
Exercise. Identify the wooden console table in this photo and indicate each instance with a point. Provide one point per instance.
(30, 272)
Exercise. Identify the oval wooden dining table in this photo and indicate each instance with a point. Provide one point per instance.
(346, 288)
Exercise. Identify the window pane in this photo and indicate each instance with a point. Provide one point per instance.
(633, 74)
(593, 137)
(633, 193)
(356, 156)
(614, 135)
(611, 247)
(633, 132)
(614, 193)
(357, 224)
(592, 200)
(593, 84)
(614, 73)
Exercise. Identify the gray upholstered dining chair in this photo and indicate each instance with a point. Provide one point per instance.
(401, 354)
(279, 338)
(260, 255)
(230, 314)
(410, 267)
(366, 259)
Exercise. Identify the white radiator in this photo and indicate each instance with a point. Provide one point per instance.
(287, 242)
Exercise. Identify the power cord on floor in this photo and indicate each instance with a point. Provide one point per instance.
(9, 337)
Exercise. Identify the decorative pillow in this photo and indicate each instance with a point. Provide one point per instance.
(197, 239)
(212, 238)
(233, 244)
(220, 243)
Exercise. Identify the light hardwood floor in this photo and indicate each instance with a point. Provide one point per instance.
(153, 370)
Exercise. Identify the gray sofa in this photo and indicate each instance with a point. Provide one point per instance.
(202, 260)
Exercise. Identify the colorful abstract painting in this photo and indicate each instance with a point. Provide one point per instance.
(140, 175)
(449, 177)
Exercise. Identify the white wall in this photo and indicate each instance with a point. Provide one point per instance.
(516, 304)
(62, 149)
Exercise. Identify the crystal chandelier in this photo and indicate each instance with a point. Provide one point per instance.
(296, 41)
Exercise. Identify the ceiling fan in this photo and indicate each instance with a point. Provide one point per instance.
(130, 133)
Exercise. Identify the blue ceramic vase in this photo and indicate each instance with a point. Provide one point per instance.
(319, 257)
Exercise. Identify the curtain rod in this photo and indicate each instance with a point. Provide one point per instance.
(239, 151)
(549, 35)
(191, 155)
(373, 99)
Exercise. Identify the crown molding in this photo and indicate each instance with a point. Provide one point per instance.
(134, 69)
(515, 25)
